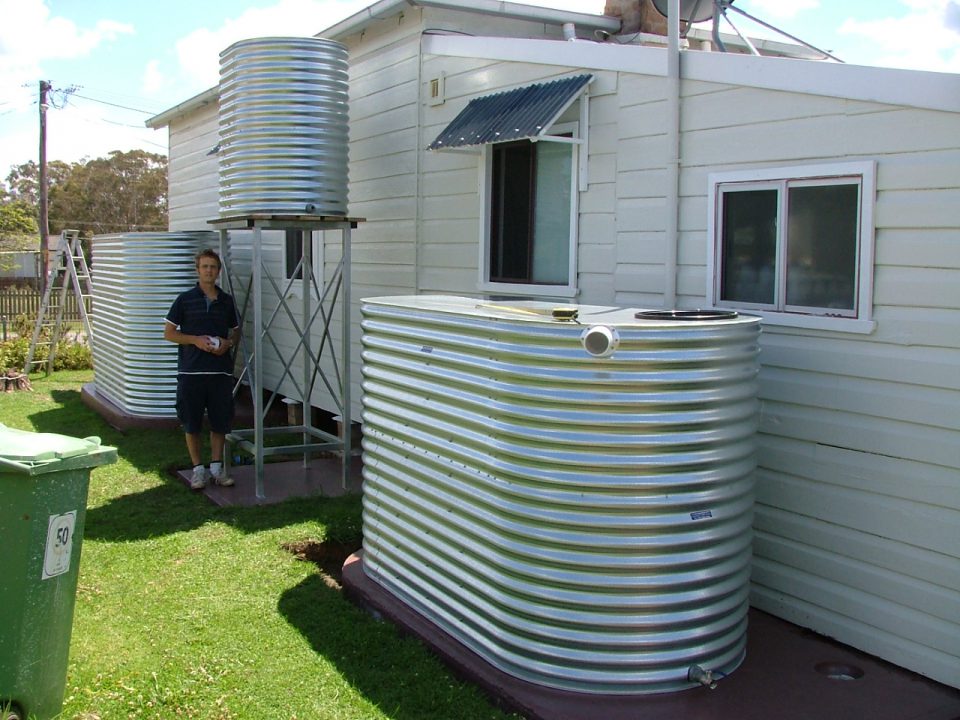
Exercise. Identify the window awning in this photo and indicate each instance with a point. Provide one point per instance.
(524, 113)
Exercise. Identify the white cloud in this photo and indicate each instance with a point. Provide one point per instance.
(951, 16)
(31, 35)
(153, 78)
(29, 32)
(99, 136)
(920, 39)
(768, 10)
(198, 53)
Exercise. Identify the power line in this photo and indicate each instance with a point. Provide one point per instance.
(123, 107)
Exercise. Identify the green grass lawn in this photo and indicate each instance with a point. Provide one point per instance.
(186, 610)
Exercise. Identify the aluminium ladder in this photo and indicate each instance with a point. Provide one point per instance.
(68, 270)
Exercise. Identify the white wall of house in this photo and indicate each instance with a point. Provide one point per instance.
(858, 492)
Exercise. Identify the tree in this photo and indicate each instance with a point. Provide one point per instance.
(17, 220)
(123, 192)
(24, 180)
(18, 230)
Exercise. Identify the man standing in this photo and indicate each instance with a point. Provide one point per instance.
(203, 322)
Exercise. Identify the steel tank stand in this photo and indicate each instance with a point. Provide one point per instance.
(317, 307)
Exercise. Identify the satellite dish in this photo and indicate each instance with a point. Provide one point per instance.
(691, 11)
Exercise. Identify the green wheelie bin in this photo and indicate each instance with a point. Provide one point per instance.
(44, 478)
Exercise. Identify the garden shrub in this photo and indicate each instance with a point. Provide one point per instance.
(71, 354)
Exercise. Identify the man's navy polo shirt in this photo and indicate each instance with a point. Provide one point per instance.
(191, 313)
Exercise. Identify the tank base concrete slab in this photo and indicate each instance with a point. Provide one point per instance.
(322, 477)
(116, 417)
(789, 674)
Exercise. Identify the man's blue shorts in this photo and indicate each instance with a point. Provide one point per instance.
(210, 394)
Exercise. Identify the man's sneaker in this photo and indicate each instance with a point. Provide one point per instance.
(198, 481)
(220, 477)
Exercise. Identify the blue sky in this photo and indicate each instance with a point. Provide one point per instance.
(114, 63)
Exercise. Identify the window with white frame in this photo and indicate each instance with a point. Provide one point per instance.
(793, 242)
(530, 231)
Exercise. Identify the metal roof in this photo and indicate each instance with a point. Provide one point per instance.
(519, 114)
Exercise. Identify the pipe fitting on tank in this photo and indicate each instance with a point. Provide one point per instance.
(697, 674)
(600, 341)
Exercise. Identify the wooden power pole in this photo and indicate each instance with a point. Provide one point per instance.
(44, 216)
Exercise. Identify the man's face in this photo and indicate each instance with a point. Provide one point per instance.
(208, 269)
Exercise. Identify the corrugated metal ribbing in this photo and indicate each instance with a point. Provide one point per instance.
(513, 115)
(136, 277)
(581, 522)
(283, 127)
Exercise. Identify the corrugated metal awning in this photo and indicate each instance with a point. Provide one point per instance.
(519, 114)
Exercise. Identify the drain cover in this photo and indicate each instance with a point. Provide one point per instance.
(839, 671)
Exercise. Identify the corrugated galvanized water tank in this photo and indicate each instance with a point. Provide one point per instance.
(136, 277)
(283, 127)
(569, 498)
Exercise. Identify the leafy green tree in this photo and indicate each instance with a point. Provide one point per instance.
(17, 219)
(18, 230)
(124, 192)
(23, 180)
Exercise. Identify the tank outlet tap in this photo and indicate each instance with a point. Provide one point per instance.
(697, 674)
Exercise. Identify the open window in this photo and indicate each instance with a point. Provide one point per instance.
(533, 159)
(530, 234)
(794, 245)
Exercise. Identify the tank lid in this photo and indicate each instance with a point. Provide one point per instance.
(687, 315)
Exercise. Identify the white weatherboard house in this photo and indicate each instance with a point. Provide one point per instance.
(824, 197)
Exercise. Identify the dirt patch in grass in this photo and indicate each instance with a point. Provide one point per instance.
(327, 555)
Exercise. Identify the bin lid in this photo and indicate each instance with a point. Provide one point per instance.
(34, 453)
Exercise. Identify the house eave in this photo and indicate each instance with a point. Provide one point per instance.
(890, 86)
(187, 106)
(512, 11)
(386, 8)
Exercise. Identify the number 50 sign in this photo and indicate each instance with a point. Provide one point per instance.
(56, 558)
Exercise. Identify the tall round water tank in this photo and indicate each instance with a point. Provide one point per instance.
(136, 277)
(283, 127)
(568, 491)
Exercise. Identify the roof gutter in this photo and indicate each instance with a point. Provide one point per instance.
(509, 10)
(385, 8)
(197, 101)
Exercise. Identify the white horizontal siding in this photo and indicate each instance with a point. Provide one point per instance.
(193, 193)
(858, 500)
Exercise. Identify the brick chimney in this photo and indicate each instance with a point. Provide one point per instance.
(636, 16)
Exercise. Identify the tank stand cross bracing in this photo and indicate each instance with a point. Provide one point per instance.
(317, 304)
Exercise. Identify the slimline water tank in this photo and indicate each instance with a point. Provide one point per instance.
(567, 491)
(136, 277)
(283, 127)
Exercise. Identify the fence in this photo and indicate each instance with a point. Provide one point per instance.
(21, 300)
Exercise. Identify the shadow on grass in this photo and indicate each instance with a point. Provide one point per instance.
(170, 508)
(136, 512)
(72, 417)
(142, 448)
(394, 672)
